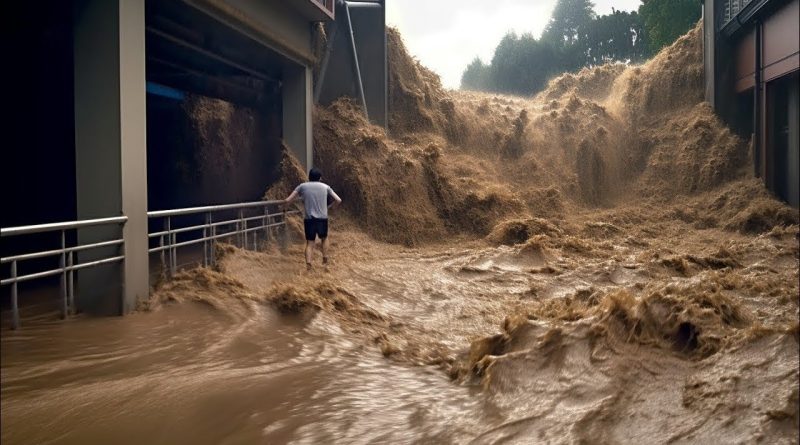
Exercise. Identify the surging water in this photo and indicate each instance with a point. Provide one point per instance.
(189, 374)
(648, 295)
(395, 345)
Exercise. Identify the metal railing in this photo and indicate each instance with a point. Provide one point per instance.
(327, 5)
(251, 222)
(245, 224)
(67, 264)
(730, 8)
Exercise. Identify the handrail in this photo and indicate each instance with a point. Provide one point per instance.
(50, 227)
(66, 263)
(47, 253)
(246, 230)
(732, 8)
(214, 208)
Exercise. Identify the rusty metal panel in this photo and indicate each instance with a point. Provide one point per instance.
(745, 54)
(328, 6)
(781, 37)
(778, 69)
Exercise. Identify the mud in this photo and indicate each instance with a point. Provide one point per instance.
(590, 265)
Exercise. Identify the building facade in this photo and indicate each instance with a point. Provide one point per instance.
(102, 89)
(752, 60)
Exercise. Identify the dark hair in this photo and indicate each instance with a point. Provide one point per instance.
(314, 174)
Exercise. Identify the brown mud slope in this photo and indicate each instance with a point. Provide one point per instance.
(404, 192)
(643, 284)
(221, 130)
(467, 162)
(290, 173)
(417, 101)
(229, 144)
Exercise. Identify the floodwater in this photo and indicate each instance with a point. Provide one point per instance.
(402, 345)
(592, 265)
(188, 374)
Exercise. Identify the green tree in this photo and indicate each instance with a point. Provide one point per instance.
(574, 38)
(476, 76)
(505, 64)
(521, 65)
(666, 20)
(567, 32)
(618, 36)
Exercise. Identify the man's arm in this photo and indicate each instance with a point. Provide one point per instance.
(291, 197)
(336, 199)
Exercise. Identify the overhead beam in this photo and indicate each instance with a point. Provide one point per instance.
(198, 73)
(200, 50)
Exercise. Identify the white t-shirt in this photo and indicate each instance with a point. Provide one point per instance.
(315, 198)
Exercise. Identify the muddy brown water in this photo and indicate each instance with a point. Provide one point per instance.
(190, 375)
(216, 362)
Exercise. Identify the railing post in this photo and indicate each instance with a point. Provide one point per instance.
(242, 228)
(71, 284)
(255, 240)
(205, 239)
(164, 252)
(14, 302)
(265, 223)
(212, 244)
(62, 260)
(285, 231)
(174, 253)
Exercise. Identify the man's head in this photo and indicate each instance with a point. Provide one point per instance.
(314, 174)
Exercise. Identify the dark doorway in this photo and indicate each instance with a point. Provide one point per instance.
(782, 158)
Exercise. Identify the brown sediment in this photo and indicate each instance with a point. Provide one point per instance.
(596, 259)
(290, 174)
(618, 182)
(221, 130)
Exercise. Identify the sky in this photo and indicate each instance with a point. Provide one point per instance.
(445, 35)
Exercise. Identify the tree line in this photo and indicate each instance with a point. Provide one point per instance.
(576, 37)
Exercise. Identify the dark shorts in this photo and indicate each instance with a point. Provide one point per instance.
(315, 227)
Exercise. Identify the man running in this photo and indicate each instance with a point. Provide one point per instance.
(314, 194)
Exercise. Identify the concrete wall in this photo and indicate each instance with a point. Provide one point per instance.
(297, 108)
(340, 75)
(369, 25)
(369, 33)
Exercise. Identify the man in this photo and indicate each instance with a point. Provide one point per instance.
(314, 194)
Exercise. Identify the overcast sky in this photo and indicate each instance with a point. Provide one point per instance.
(445, 35)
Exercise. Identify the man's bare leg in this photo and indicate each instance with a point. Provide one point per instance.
(309, 252)
(325, 250)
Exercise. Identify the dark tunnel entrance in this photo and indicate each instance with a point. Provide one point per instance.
(214, 110)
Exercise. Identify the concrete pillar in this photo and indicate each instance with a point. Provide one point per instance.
(297, 109)
(709, 44)
(111, 148)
